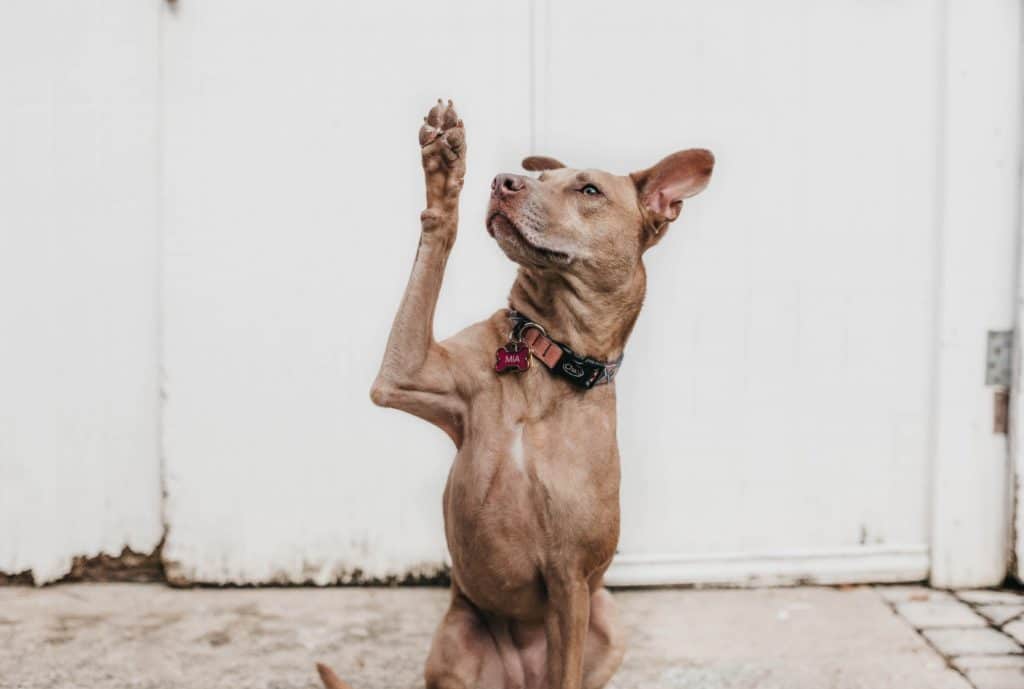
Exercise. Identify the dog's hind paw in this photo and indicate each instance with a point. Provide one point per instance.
(443, 147)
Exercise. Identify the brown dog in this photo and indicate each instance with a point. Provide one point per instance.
(531, 507)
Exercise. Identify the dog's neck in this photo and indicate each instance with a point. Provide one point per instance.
(593, 322)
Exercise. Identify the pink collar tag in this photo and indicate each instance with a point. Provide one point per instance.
(514, 356)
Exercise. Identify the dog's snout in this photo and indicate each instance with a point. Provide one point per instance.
(506, 185)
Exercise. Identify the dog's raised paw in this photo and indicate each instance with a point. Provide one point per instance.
(443, 146)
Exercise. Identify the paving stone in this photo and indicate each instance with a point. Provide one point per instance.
(990, 597)
(1016, 630)
(909, 594)
(928, 614)
(979, 641)
(966, 663)
(1004, 678)
(1000, 614)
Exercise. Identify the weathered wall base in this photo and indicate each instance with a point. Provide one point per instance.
(129, 566)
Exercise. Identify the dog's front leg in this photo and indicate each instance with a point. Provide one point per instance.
(416, 374)
(566, 625)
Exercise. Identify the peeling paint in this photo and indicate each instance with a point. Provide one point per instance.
(17, 579)
(128, 566)
(131, 566)
(178, 576)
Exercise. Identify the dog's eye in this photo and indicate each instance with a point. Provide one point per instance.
(590, 190)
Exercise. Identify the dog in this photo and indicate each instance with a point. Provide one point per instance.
(531, 507)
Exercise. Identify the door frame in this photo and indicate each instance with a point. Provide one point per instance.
(977, 224)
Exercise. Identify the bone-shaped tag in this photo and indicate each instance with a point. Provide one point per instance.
(515, 356)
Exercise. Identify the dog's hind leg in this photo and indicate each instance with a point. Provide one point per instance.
(416, 375)
(605, 641)
(463, 654)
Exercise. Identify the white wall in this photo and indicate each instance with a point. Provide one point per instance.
(825, 298)
(79, 468)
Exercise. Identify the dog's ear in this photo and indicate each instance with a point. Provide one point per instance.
(541, 163)
(662, 188)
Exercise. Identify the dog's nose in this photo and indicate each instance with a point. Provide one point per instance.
(507, 185)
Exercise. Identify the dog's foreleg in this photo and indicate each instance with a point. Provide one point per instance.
(416, 374)
(566, 625)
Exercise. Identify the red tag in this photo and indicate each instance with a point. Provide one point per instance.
(515, 356)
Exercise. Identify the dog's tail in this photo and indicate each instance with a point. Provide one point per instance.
(331, 680)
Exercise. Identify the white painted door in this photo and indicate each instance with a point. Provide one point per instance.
(811, 318)
(809, 410)
(79, 463)
(795, 300)
(293, 201)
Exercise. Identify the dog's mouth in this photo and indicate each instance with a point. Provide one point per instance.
(501, 227)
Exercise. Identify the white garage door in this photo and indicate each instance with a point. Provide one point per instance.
(811, 301)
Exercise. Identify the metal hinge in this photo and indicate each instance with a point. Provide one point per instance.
(999, 363)
(999, 374)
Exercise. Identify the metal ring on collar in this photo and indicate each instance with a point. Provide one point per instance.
(531, 324)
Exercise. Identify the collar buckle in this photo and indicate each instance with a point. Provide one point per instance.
(562, 361)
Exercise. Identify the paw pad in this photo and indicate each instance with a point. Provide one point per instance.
(443, 126)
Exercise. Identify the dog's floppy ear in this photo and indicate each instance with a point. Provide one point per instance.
(540, 163)
(662, 188)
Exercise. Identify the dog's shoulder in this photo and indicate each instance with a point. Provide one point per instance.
(471, 351)
(483, 336)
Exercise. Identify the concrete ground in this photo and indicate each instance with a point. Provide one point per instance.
(147, 636)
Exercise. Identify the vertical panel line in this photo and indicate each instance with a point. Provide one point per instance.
(532, 37)
(937, 276)
(160, 264)
(540, 65)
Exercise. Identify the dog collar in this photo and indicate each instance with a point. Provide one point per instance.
(529, 338)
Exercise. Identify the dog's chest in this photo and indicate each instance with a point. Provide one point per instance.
(538, 425)
(538, 473)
